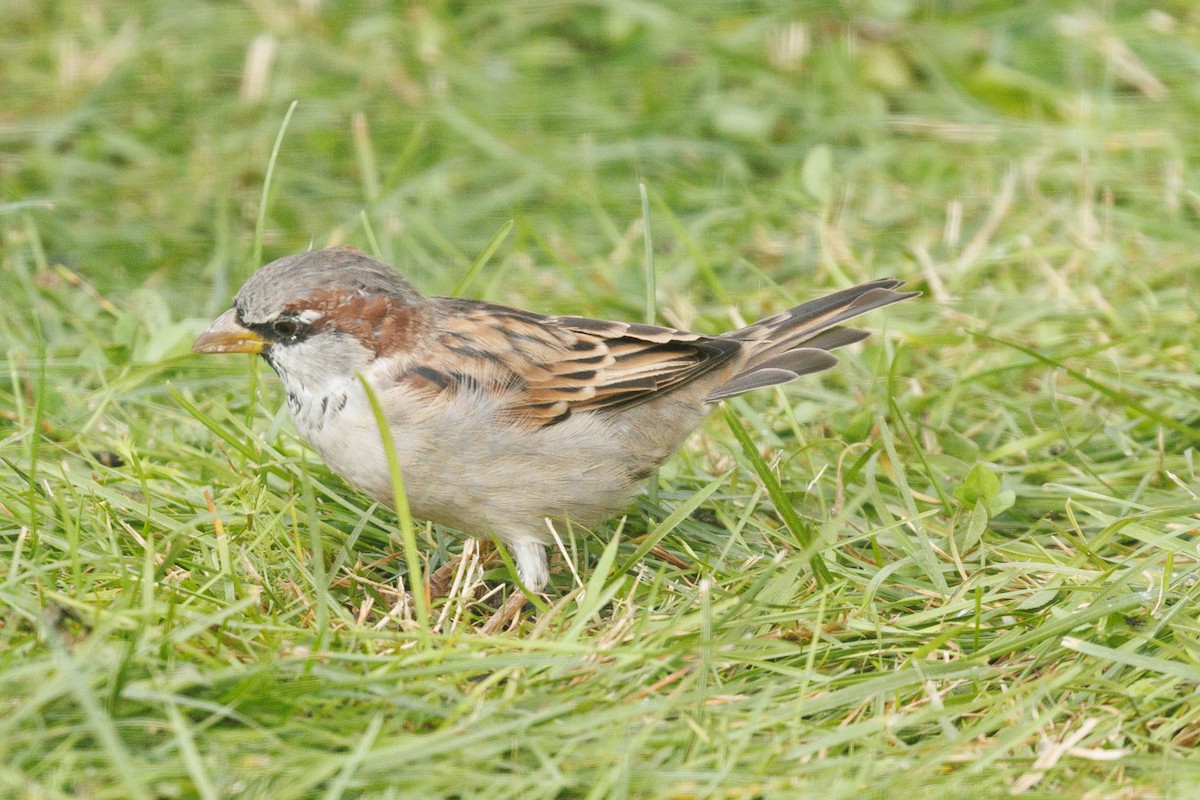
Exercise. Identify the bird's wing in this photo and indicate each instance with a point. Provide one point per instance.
(543, 369)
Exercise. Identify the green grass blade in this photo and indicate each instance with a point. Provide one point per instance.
(801, 532)
(261, 221)
(672, 521)
(408, 530)
(483, 258)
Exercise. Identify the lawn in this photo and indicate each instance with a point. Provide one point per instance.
(961, 564)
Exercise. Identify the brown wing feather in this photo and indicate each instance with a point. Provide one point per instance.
(546, 368)
(645, 359)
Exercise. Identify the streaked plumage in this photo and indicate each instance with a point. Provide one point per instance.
(503, 418)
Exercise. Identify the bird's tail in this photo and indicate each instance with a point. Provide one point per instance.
(797, 341)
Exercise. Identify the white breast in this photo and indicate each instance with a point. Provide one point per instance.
(463, 468)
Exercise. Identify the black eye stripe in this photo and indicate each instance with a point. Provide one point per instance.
(284, 329)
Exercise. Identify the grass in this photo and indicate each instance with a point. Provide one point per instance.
(963, 563)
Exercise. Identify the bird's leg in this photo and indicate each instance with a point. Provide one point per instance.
(530, 558)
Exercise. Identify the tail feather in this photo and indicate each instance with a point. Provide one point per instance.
(813, 310)
(779, 369)
(836, 337)
(793, 343)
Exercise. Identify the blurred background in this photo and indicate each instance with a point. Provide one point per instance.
(806, 142)
(1002, 481)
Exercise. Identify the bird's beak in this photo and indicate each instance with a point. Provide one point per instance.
(225, 335)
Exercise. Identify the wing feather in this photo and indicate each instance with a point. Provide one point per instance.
(543, 369)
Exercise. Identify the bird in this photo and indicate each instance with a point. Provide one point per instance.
(504, 419)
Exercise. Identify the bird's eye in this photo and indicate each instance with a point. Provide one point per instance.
(285, 327)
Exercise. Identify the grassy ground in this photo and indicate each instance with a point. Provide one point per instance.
(1002, 485)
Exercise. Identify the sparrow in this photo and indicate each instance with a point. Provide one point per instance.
(503, 419)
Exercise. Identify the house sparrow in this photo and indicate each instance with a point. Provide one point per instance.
(504, 418)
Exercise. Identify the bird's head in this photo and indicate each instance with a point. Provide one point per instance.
(320, 317)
